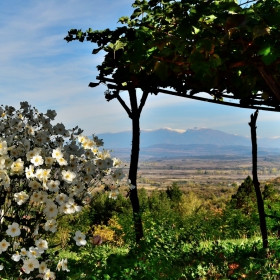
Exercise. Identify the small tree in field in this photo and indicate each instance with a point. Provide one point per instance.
(269, 192)
(245, 197)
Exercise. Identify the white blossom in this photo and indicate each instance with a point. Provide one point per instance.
(13, 230)
(68, 176)
(34, 185)
(3, 148)
(37, 160)
(30, 264)
(33, 252)
(80, 238)
(17, 167)
(16, 256)
(53, 185)
(42, 267)
(50, 210)
(114, 193)
(57, 153)
(20, 197)
(4, 245)
(42, 245)
(29, 172)
(62, 265)
(50, 225)
(48, 275)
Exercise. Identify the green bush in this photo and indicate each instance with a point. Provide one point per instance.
(104, 208)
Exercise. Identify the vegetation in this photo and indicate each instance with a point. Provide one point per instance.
(187, 237)
(227, 50)
(220, 47)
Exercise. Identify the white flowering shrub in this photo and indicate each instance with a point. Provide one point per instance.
(43, 177)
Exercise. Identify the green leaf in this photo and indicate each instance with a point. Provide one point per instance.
(123, 20)
(268, 59)
(79, 34)
(269, 54)
(195, 30)
(265, 50)
(209, 19)
(193, 11)
(117, 46)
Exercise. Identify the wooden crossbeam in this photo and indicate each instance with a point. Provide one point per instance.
(114, 86)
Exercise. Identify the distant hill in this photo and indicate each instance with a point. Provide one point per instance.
(196, 151)
(204, 136)
(196, 142)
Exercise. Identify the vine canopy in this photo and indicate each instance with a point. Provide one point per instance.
(219, 47)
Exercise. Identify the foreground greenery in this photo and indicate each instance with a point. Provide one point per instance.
(186, 237)
(166, 258)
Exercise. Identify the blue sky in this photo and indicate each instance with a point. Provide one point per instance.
(38, 66)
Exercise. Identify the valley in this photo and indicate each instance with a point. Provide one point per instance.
(203, 175)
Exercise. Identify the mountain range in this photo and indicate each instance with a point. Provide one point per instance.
(196, 142)
(202, 136)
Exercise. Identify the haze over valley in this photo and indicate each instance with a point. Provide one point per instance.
(196, 142)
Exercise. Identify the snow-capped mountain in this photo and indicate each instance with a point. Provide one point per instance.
(167, 142)
(175, 137)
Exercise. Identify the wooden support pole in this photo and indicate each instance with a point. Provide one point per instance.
(256, 181)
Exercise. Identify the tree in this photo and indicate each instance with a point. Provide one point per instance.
(245, 197)
(219, 47)
(174, 193)
(269, 192)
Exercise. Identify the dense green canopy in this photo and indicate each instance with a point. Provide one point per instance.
(215, 46)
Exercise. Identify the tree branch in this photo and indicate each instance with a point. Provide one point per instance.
(124, 105)
(143, 101)
(270, 81)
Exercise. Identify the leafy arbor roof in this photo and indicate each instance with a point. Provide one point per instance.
(219, 47)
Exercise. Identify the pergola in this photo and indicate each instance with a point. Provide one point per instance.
(254, 102)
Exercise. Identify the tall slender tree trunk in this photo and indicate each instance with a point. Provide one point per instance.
(256, 181)
(134, 165)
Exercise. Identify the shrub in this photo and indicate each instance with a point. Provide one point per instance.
(174, 193)
(43, 178)
(245, 198)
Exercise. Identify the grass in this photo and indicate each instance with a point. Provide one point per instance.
(158, 259)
